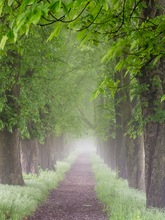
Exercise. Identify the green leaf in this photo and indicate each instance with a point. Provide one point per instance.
(1, 106)
(25, 3)
(115, 4)
(163, 98)
(157, 59)
(10, 34)
(96, 93)
(134, 45)
(1, 125)
(105, 5)
(65, 9)
(1, 6)
(35, 16)
(119, 65)
(110, 54)
(3, 41)
(55, 7)
(21, 21)
(10, 2)
(55, 33)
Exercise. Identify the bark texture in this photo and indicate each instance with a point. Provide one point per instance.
(110, 153)
(154, 139)
(10, 163)
(30, 156)
(154, 129)
(133, 148)
(121, 150)
(47, 153)
(135, 163)
(60, 153)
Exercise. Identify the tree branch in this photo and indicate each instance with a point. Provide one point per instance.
(86, 120)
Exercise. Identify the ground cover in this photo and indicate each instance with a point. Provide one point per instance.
(16, 202)
(121, 202)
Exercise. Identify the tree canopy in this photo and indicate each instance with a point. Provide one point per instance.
(129, 38)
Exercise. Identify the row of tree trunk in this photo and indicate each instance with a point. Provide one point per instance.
(18, 155)
(150, 146)
(140, 160)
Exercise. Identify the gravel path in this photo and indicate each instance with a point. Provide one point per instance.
(75, 198)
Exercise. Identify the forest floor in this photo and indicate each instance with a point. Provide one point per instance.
(75, 197)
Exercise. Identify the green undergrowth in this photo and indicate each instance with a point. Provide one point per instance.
(17, 202)
(120, 201)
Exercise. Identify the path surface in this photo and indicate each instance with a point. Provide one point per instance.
(75, 198)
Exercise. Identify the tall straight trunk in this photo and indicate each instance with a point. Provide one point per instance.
(60, 147)
(135, 162)
(100, 148)
(155, 164)
(154, 138)
(110, 153)
(154, 126)
(100, 143)
(121, 155)
(133, 147)
(30, 156)
(121, 160)
(47, 153)
(104, 151)
(10, 163)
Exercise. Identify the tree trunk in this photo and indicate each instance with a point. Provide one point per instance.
(155, 164)
(60, 147)
(50, 148)
(29, 156)
(111, 152)
(135, 162)
(47, 154)
(154, 130)
(101, 149)
(121, 160)
(154, 123)
(10, 164)
(107, 151)
(133, 147)
(121, 156)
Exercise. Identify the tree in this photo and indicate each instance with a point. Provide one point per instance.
(136, 28)
(43, 96)
(10, 165)
(133, 141)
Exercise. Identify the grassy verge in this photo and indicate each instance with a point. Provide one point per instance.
(121, 202)
(17, 202)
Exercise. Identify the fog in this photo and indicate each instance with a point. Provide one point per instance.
(86, 144)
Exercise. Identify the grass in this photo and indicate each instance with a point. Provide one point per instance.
(120, 201)
(17, 202)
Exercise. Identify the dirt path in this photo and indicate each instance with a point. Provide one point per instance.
(75, 198)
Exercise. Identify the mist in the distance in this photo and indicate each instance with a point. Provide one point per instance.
(86, 144)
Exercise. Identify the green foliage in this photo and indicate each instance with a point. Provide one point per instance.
(51, 84)
(138, 41)
(162, 98)
(121, 202)
(135, 124)
(109, 84)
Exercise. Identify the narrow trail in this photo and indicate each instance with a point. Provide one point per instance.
(75, 198)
